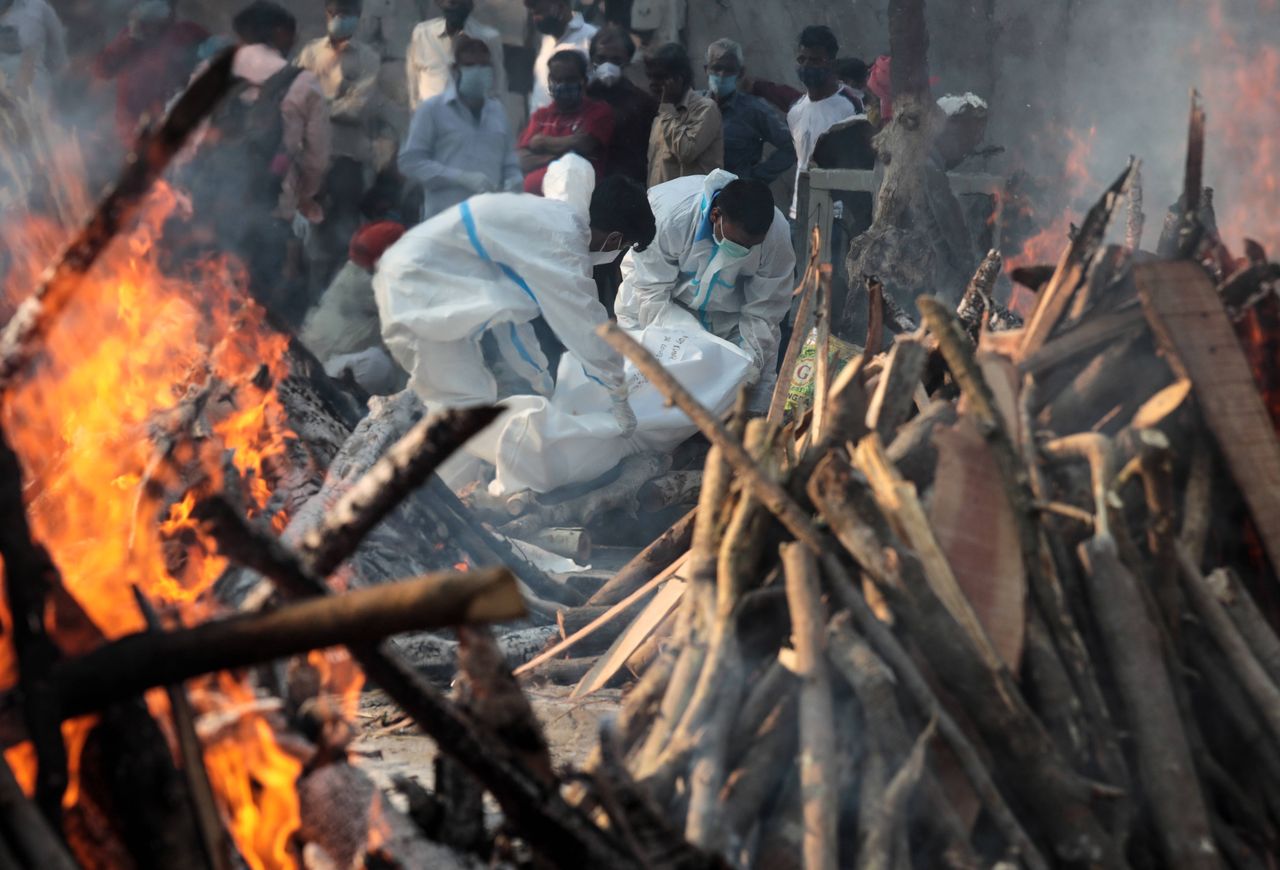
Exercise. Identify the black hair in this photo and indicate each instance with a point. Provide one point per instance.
(620, 205)
(573, 56)
(672, 58)
(259, 21)
(748, 203)
(852, 69)
(820, 36)
(615, 31)
(469, 45)
(345, 7)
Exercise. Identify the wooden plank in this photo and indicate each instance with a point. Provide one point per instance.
(613, 613)
(1199, 342)
(978, 532)
(630, 640)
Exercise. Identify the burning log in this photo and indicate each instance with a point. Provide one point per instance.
(204, 807)
(132, 664)
(30, 580)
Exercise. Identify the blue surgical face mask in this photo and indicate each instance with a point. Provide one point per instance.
(730, 249)
(475, 82)
(567, 95)
(813, 76)
(721, 85)
(343, 26)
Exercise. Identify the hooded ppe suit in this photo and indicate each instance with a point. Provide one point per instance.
(494, 264)
(685, 275)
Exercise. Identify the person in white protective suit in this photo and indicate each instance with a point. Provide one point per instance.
(495, 263)
(723, 259)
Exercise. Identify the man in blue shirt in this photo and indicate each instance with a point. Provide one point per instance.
(749, 122)
(460, 143)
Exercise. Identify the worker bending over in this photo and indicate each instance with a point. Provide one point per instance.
(723, 258)
(494, 264)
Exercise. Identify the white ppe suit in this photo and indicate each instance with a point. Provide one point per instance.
(494, 264)
(684, 274)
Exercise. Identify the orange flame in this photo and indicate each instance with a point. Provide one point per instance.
(89, 423)
(1240, 78)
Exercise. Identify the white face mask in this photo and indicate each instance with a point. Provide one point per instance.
(604, 258)
(607, 74)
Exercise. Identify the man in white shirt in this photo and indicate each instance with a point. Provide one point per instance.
(459, 142)
(826, 101)
(431, 51)
(562, 29)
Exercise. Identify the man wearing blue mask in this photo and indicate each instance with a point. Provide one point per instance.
(460, 143)
(573, 123)
(827, 101)
(749, 122)
(722, 259)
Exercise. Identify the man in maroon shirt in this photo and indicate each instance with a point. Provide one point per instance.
(573, 122)
(151, 61)
(634, 109)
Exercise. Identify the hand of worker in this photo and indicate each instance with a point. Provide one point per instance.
(622, 412)
(476, 181)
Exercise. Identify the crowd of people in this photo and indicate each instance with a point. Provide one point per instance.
(535, 205)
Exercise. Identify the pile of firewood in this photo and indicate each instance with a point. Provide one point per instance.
(990, 601)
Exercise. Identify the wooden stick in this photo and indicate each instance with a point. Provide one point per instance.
(604, 618)
(1253, 626)
(892, 401)
(718, 695)
(875, 319)
(799, 333)
(1053, 300)
(776, 499)
(877, 852)
(1165, 765)
(1252, 675)
(27, 829)
(30, 578)
(551, 826)
(154, 150)
(817, 717)
(405, 467)
(1136, 218)
(649, 562)
(138, 662)
(204, 807)
(763, 766)
(897, 500)
(694, 627)
(873, 683)
(975, 308)
(822, 361)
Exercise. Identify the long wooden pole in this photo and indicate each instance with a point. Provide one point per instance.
(138, 662)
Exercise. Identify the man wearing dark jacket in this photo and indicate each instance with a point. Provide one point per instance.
(749, 122)
(612, 51)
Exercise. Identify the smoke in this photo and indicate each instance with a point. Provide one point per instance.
(1116, 75)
